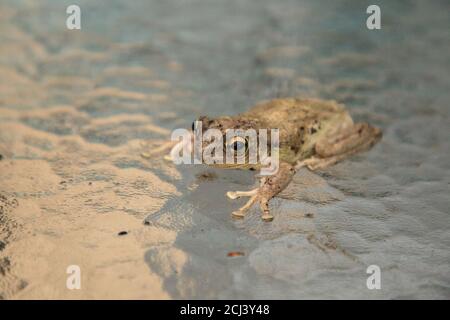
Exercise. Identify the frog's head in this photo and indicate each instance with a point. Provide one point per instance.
(218, 139)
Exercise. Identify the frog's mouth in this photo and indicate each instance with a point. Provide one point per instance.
(245, 166)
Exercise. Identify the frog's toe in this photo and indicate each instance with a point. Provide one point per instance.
(267, 217)
(310, 163)
(146, 155)
(232, 195)
(238, 214)
(237, 194)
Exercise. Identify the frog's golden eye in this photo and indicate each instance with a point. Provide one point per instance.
(238, 143)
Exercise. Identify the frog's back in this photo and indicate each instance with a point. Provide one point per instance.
(279, 112)
(297, 120)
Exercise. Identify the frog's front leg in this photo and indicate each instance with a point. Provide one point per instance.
(272, 186)
(269, 188)
(164, 148)
(175, 147)
(360, 137)
(243, 210)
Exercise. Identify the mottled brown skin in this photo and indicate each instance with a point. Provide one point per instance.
(313, 133)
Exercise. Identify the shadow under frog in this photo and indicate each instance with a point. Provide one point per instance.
(206, 235)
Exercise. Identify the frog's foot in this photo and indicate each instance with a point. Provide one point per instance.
(360, 137)
(254, 197)
(243, 210)
(315, 163)
(237, 194)
(269, 187)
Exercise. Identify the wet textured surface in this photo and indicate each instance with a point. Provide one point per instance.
(77, 108)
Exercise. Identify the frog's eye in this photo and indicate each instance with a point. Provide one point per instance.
(238, 143)
(193, 125)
